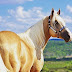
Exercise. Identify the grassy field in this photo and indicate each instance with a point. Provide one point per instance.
(57, 66)
(54, 50)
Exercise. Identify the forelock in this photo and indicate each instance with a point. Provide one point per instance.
(59, 19)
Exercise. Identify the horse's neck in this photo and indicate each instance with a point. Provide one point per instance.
(35, 37)
(36, 33)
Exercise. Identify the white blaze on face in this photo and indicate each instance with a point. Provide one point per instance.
(70, 34)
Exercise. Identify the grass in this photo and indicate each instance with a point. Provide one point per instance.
(57, 66)
(55, 50)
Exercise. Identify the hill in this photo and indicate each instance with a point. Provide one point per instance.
(57, 49)
(56, 39)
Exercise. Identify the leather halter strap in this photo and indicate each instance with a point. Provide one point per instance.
(57, 32)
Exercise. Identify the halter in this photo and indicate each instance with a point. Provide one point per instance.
(57, 32)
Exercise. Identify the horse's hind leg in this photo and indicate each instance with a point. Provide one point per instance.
(15, 63)
(11, 61)
(5, 57)
(2, 66)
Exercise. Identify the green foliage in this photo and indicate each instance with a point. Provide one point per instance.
(57, 49)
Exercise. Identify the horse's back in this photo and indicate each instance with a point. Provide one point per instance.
(9, 36)
(9, 41)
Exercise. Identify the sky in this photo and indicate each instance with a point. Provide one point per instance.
(19, 15)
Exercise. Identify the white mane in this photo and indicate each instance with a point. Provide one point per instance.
(35, 37)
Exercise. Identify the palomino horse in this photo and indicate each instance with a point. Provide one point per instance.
(24, 52)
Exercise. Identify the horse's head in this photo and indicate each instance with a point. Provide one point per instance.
(57, 26)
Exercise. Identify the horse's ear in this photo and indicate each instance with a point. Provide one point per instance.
(52, 12)
(58, 12)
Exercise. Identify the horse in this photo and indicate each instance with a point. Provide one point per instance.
(24, 52)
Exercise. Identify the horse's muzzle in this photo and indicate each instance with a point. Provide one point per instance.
(65, 35)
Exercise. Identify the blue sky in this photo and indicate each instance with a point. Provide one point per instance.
(19, 15)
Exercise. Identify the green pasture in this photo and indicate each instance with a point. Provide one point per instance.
(57, 66)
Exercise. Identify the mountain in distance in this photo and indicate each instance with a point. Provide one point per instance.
(55, 39)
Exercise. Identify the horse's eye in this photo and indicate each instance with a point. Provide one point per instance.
(56, 22)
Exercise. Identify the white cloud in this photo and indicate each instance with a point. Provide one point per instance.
(12, 26)
(67, 19)
(20, 19)
(69, 8)
(13, 1)
(1, 19)
(28, 17)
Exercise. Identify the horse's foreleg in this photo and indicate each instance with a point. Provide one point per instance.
(37, 66)
(34, 69)
(2, 66)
